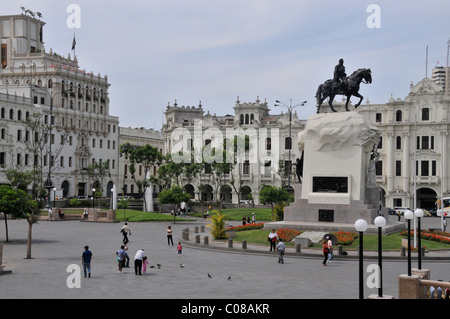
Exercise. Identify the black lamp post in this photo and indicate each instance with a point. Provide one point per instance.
(419, 214)
(361, 227)
(408, 216)
(290, 108)
(380, 222)
(93, 198)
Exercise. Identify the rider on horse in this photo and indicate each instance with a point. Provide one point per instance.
(339, 77)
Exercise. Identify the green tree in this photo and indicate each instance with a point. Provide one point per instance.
(273, 195)
(19, 204)
(97, 172)
(174, 196)
(10, 204)
(145, 156)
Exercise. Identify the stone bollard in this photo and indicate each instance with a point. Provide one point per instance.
(244, 244)
(340, 250)
(196, 229)
(206, 240)
(197, 239)
(230, 243)
(403, 252)
(298, 248)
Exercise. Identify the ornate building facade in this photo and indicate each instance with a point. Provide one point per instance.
(140, 137)
(72, 101)
(265, 158)
(413, 168)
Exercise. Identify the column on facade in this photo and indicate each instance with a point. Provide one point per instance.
(406, 167)
(390, 162)
(444, 163)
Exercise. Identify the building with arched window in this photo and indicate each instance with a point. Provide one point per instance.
(263, 158)
(72, 101)
(413, 168)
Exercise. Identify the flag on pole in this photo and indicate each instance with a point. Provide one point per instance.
(74, 42)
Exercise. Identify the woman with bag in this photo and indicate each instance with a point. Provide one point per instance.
(325, 251)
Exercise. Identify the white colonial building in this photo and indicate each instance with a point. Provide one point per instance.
(270, 144)
(73, 101)
(140, 137)
(414, 167)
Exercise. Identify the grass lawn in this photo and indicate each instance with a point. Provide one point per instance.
(389, 242)
(262, 214)
(140, 216)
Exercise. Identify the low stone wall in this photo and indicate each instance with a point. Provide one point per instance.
(93, 215)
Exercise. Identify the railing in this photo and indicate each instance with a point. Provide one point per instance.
(427, 284)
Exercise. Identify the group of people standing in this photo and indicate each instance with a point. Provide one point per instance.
(140, 259)
(246, 220)
(280, 246)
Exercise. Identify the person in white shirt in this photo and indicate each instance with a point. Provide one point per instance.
(125, 231)
(273, 237)
(50, 214)
(281, 248)
(138, 258)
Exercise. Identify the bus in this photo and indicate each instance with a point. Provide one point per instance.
(446, 207)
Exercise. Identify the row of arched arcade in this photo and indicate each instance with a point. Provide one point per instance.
(225, 193)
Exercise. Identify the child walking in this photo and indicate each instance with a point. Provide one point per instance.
(179, 249)
(144, 264)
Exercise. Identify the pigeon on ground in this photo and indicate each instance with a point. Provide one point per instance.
(229, 278)
(159, 266)
(181, 265)
(209, 276)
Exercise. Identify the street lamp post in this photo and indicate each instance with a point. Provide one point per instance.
(54, 197)
(419, 214)
(48, 183)
(361, 227)
(93, 198)
(408, 216)
(380, 222)
(290, 107)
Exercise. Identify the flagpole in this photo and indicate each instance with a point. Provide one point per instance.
(74, 42)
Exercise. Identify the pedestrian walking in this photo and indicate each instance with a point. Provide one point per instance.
(138, 259)
(330, 249)
(126, 263)
(281, 247)
(253, 218)
(272, 238)
(86, 257)
(121, 258)
(125, 232)
(50, 214)
(169, 235)
(444, 224)
(325, 252)
(179, 248)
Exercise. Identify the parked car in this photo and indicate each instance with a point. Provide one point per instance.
(84, 197)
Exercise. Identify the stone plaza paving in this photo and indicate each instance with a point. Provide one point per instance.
(236, 274)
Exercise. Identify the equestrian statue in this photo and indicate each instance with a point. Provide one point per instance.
(342, 85)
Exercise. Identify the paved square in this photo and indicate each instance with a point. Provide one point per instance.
(58, 244)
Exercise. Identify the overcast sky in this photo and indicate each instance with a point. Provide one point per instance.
(158, 51)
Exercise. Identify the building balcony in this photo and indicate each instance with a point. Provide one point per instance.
(425, 180)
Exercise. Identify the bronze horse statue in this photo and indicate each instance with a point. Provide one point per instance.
(348, 88)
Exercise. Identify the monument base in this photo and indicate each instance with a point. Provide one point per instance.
(328, 227)
(330, 216)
